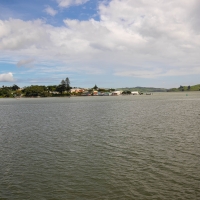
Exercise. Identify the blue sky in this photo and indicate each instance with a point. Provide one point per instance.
(31, 10)
(110, 43)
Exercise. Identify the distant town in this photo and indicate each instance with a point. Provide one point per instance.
(64, 89)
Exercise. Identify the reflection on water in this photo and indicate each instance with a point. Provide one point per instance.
(128, 147)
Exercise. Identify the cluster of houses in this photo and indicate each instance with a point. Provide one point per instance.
(87, 92)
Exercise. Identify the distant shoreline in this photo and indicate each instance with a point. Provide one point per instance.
(74, 96)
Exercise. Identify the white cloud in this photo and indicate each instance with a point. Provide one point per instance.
(50, 11)
(133, 38)
(17, 34)
(68, 3)
(6, 77)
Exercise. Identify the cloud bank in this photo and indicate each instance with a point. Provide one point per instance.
(6, 77)
(132, 38)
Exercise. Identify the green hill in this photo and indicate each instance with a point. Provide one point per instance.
(152, 89)
(185, 88)
(143, 89)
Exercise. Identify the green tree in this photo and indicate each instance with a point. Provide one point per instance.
(18, 93)
(51, 88)
(5, 92)
(95, 87)
(126, 92)
(67, 83)
(15, 87)
(60, 88)
(112, 90)
(36, 90)
(64, 86)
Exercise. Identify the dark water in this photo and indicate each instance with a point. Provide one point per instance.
(135, 147)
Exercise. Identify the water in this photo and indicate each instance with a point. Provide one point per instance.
(129, 147)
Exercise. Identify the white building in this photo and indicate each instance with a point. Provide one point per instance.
(116, 93)
(134, 92)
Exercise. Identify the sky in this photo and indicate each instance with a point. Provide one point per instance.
(110, 43)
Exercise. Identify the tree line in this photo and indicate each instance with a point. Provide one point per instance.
(36, 90)
(63, 89)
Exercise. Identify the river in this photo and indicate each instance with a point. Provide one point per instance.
(125, 147)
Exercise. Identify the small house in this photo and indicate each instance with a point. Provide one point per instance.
(134, 92)
(116, 93)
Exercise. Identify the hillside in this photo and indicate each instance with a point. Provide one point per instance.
(185, 88)
(143, 89)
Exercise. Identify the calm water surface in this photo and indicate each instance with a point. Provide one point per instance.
(128, 147)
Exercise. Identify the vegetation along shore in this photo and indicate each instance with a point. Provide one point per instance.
(64, 89)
